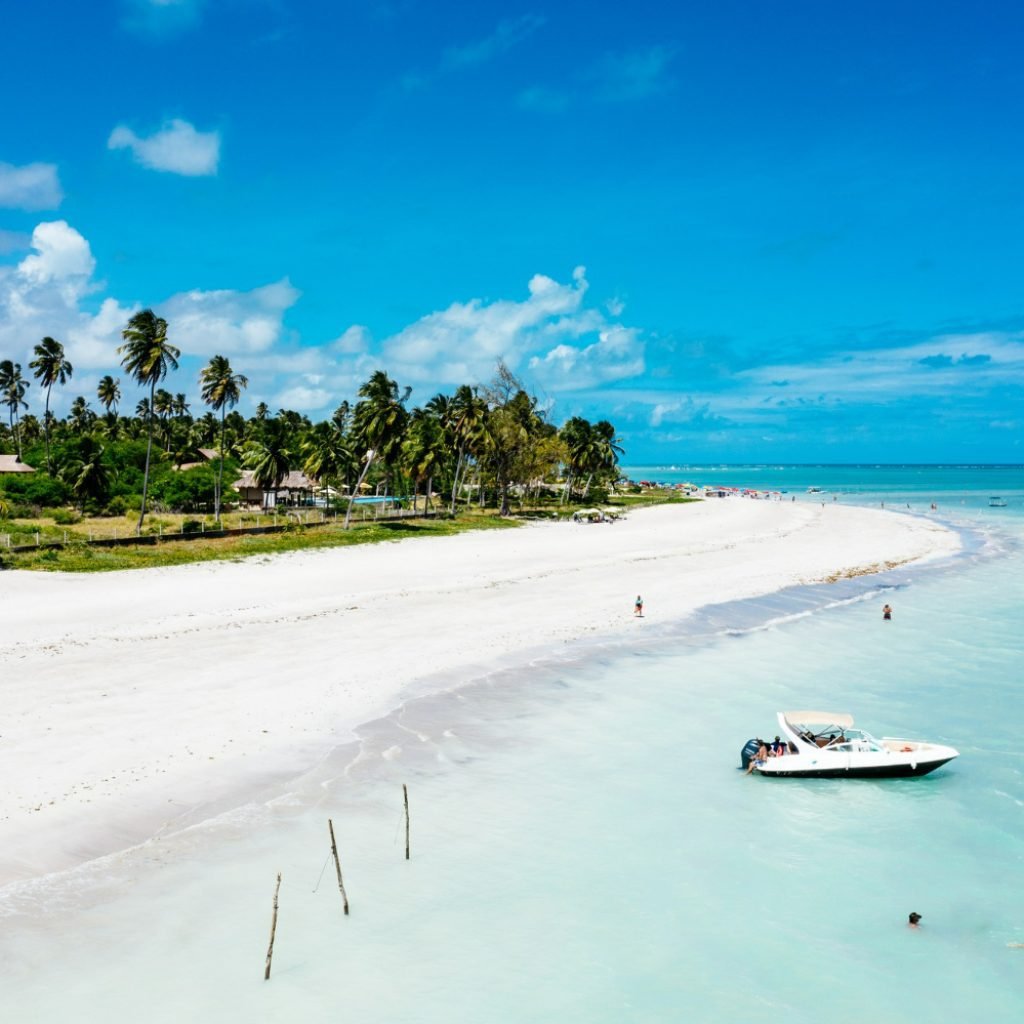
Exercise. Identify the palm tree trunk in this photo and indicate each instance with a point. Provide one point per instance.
(220, 472)
(149, 449)
(46, 421)
(415, 496)
(455, 482)
(351, 497)
(426, 500)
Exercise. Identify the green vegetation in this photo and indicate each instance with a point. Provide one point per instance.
(467, 460)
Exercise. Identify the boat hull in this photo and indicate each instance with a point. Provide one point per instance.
(879, 771)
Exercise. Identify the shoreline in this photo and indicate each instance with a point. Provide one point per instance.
(226, 680)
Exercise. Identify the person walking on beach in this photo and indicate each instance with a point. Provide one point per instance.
(638, 608)
(886, 612)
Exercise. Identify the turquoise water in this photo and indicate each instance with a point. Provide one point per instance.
(584, 848)
(948, 486)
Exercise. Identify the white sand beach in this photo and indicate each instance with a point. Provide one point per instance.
(134, 702)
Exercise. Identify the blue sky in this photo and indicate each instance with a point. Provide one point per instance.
(743, 231)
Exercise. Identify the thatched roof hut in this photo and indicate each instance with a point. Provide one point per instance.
(10, 464)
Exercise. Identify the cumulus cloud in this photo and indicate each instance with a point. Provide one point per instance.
(306, 397)
(352, 342)
(61, 254)
(42, 295)
(617, 353)
(563, 343)
(31, 187)
(177, 148)
(227, 322)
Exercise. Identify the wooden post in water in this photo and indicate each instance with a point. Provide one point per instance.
(273, 929)
(405, 796)
(337, 866)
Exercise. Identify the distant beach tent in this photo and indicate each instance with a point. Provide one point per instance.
(10, 464)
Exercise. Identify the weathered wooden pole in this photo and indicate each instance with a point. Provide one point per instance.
(405, 796)
(337, 866)
(273, 929)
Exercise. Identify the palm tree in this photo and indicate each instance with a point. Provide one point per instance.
(163, 406)
(81, 415)
(108, 391)
(50, 367)
(148, 356)
(181, 408)
(221, 390)
(12, 394)
(380, 420)
(468, 412)
(328, 456)
(424, 451)
(85, 471)
(269, 457)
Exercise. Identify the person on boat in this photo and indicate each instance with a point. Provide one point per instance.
(638, 607)
(779, 748)
(759, 758)
(886, 612)
(914, 920)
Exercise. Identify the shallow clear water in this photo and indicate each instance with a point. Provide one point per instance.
(584, 847)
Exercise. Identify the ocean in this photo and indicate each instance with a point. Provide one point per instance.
(584, 847)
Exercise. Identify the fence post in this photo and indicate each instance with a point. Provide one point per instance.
(37, 540)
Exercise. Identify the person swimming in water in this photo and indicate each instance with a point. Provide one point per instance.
(914, 920)
(886, 612)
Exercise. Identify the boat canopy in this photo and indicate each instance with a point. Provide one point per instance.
(837, 718)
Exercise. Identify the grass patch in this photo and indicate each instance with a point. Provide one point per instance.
(78, 556)
(84, 558)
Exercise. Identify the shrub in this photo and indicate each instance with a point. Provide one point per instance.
(65, 517)
(117, 506)
(191, 526)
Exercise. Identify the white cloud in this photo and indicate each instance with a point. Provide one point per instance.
(618, 353)
(31, 187)
(226, 322)
(42, 296)
(177, 147)
(634, 74)
(353, 341)
(935, 366)
(303, 397)
(564, 344)
(62, 254)
(508, 34)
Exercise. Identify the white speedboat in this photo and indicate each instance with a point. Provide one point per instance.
(996, 502)
(824, 745)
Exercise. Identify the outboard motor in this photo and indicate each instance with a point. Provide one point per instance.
(748, 752)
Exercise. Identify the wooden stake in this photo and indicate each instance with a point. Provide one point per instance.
(405, 795)
(273, 928)
(337, 866)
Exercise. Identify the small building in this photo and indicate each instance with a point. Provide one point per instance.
(10, 464)
(207, 455)
(295, 489)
